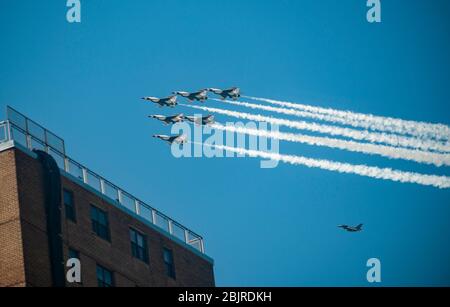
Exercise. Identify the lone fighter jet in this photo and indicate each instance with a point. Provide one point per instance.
(177, 139)
(170, 101)
(201, 95)
(351, 228)
(205, 120)
(169, 119)
(233, 93)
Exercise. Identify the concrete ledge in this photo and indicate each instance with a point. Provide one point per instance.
(6, 145)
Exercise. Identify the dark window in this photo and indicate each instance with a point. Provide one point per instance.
(139, 245)
(74, 254)
(168, 262)
(69, 205)
(104, 277)
(100, 223)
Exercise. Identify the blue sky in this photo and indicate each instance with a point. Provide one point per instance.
(263, 227)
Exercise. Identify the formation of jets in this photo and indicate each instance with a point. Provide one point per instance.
(351, 228)
(202, 95)
(171, 101)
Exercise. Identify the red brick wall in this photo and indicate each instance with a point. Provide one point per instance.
(191, 269)
(33, 220)
(12, 271)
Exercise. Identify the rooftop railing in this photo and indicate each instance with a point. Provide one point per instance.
(4, 131)
(31, 135)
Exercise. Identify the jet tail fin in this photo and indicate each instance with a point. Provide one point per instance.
(359, 226)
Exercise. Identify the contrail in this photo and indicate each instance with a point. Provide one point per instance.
(333, 119)
(369, 121)
(373, 137)
(285, 111)
(366, 148)
(441, 182)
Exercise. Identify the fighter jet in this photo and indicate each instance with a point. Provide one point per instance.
(205, 120)
(233, 93)
(169, 119)
(170, 101)
(201, 95)
(351, 228)
(177, 139)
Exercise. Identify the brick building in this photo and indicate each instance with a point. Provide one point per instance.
(53, 209)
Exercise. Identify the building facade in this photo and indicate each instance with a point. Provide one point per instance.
(48, 215)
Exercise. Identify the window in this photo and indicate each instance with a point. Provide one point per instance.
(139, 245)
(74, 254)
(104, 277)
(168, 262)
(69, 205)
(100, 223)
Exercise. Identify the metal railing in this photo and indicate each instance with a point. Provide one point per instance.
(4, 131)
(31, 135)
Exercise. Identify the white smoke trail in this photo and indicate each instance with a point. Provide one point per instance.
(420, 143)
(366, 148)
(393, 140)
(373, 122)
(286, 111)
(441, 182)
